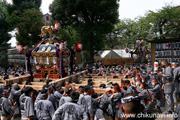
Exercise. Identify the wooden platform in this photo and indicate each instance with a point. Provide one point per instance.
(98, 80)
(37, 85)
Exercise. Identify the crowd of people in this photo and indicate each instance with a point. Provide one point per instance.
(142, 91)
(13, 71)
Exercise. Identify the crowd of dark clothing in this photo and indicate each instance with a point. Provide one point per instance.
(142, 91)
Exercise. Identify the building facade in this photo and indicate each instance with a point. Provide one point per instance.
(47, 18)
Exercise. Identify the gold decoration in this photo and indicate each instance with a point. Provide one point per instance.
(49, 49)
(47, 44)
(43, 49)
(45, 30)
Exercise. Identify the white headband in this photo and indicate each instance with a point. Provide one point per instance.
(175, 63)
(129, 99)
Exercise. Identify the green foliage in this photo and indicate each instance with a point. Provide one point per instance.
(28, 25)
(22, 5)
(4, 35)
(154, 25)
(27, 19)
(92, 18)
(68, 34)
(165, 22)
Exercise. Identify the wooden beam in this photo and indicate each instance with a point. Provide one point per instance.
(17, 79)
(35, 87)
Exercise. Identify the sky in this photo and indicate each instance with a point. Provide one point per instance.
(128, 8)
(133, 8)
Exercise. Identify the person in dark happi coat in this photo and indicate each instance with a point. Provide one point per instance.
(71, 110)
(168, 85)
(44, 108)
(132, 108)
(26, 104)
(176, 73)
(81, 92)
(14, 97)
(66, 96)
(131, 105)
(105, 107)
(116, 102)
(58, 94)
(158, 95)
(51, 96)
(146, 96)
(130, 88)
(6, 109)
(123, 86)
(87, 102)
(138, 85)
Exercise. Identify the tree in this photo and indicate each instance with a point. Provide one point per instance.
(111, 40)
(22, 5)
(165, 22)
(127, 32)
(28, 25)
(161, 24)
(92, 18)
(4, 35)
(68, 34)
(26, 17)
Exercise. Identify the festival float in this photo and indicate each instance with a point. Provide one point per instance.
(51, 58)
(141, 54)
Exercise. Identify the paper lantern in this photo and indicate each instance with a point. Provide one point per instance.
(57, 26)
(20, 48)
(79, 47)
(155, 67)
(127, 50)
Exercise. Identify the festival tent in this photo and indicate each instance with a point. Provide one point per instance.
(112, 55)
(118, 56)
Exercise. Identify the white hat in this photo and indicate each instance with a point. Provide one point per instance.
(108, 89)
(15, 84)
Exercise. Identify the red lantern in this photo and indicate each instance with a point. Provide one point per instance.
(127, 50)
(79, 47)
(155, 67)
(57, 26)
(20, 48)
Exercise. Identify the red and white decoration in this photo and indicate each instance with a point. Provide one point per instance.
(55, 67)
(138, 42)
(156, 67)
(79, 47)
(167, 45)
(20, 48)
(38, 67)
(57, 26)
(127, 50)
(61, 46)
